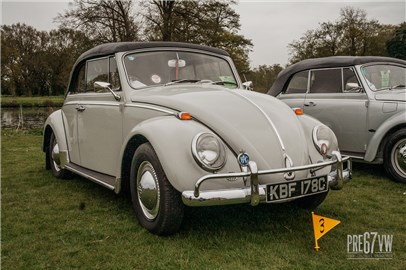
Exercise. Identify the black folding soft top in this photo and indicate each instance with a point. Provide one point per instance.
(111, 48)
(326, 62)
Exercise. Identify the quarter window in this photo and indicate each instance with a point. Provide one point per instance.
(80, 83)
(298, 83)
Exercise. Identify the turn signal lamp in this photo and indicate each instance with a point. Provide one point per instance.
(298, 111)
(184, 116)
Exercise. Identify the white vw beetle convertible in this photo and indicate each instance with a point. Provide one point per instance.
(172, 124)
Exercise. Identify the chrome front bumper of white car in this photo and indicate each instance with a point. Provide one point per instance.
(256, 193)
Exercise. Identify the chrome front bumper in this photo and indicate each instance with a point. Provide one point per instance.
(255, 193)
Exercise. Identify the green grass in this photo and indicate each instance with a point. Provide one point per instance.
(54, 224)
(46, 101)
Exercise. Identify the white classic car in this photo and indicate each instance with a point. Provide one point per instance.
(172, 124)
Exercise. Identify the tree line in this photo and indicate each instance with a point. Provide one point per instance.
(38, 63)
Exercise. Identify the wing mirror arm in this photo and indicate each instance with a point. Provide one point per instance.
(247, 85)
(107, 86)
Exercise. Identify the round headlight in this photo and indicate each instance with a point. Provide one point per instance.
(209, 151)
(325, 140)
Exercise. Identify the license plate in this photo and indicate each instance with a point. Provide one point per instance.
(287, 190)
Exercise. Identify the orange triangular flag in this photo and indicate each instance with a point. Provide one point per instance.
(321, 225)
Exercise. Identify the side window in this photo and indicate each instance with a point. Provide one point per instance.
(114, 79)
(326, 81)
(298, 83)
(80, 82)
(97, 70)
(350, 81)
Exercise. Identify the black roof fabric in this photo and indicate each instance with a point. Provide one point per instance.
(111, 48)
(325, 62)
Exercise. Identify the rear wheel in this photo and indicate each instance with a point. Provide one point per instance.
(311, 202)
(55, 161)
(157, 205)
(394, 158)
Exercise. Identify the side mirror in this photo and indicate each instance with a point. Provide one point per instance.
(248, 85)
(107, 86)
(352, 87)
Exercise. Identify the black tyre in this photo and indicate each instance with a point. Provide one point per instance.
(394, 155)
(54, 160)
(157, 205)
(311, 202)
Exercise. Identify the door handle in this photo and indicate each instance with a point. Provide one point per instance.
(80, 108)
(310, 104)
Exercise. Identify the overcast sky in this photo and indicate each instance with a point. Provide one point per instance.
(271, 25)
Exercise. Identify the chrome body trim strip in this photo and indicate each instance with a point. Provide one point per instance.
(148, 107)
(336, 180)
(267, 118)
(102, 103)
(97, 181)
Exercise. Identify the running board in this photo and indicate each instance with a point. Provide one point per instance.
(98, 178)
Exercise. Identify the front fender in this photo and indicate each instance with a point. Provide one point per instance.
(381, 132)
(55, 123)
(171, 139)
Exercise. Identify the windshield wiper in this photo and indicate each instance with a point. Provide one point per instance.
(392, 87)
(397, 86)
(182, 81)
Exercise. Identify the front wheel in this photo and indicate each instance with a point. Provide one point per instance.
(394, 158)
(157, 205)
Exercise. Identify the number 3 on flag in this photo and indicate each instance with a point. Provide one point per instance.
(321, 225)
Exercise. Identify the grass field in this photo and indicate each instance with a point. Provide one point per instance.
(47, 101)
(48, 223)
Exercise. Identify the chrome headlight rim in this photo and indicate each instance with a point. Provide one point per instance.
(325, 146)
(222, 157)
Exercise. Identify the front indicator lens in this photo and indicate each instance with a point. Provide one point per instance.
(208, 151)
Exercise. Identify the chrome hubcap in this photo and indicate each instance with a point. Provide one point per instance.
(56, 156)
(399, 157)
(148, 190)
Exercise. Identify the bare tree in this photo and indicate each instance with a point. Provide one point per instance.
(102, 20)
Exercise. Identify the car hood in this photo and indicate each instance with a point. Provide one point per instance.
(391, 95)
(246, 121)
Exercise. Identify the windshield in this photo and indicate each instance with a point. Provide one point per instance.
(380, 77)
(169, 67)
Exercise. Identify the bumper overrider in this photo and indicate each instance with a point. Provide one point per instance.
(256, 193)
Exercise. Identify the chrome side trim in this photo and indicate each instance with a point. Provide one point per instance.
(94, 179)
(102, 103)
(149, 107)
(267, 118)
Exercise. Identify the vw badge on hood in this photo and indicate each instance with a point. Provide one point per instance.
(243, 159)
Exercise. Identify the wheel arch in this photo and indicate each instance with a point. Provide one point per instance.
(53, 124)
(378, 141)
(126, 158)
